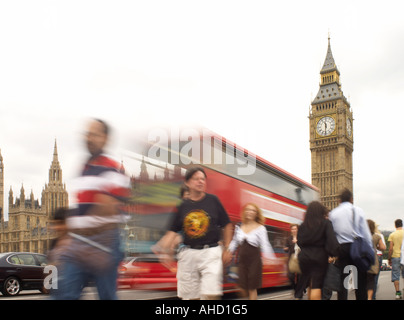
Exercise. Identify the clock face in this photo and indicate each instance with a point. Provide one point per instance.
(325, 126)
(349, 127)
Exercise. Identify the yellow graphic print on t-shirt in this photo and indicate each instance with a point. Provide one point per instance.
(196, 224)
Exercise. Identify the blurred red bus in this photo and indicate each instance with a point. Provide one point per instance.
(236, 177)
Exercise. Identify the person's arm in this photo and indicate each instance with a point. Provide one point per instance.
(227, 234)
(227, 230)
(391, 246)
(331, 244)
(381, 246)
(105, 205)
(115, 191)
(265, 245)
(163, 249)
(227, 237)
(165, 243)
(234, 243)
(402, 253)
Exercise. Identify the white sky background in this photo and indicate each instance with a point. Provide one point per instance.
(245, 69)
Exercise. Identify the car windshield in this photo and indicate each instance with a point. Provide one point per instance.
(42, 260)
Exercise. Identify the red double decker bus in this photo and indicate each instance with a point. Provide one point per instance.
(234, 175)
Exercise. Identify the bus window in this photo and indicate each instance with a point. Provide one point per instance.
(264, 176)
(277, 238)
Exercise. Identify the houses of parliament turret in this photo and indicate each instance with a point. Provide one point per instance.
(27, 228)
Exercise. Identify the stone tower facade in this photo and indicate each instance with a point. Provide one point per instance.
(27, 228)
(54, 194)
(1, 191)
(331, 135)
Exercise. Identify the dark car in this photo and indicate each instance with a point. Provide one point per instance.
(21, 271)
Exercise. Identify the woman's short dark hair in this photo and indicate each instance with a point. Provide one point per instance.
(61, 214)
(191, 171)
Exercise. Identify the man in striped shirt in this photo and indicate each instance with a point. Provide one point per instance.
(94, 253)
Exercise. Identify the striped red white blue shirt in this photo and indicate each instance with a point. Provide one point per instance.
(101, 175)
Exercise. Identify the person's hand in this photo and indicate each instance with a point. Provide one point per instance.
(332, 259)
(157, 249)
(167, 260)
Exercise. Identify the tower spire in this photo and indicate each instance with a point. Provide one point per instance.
(55, 151)
(54, 195)
(55, 171)
(330, 86)
(329, 62)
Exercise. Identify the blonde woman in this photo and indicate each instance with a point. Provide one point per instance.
(252, 239)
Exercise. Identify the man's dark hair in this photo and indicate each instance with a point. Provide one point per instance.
(183, 189)
(191, 171)
(104, 124)
(398, 223)
(61, 214)
(345, 196)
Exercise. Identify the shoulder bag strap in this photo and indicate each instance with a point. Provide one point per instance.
(353, 222)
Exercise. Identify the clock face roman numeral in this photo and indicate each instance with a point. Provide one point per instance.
(325, 126)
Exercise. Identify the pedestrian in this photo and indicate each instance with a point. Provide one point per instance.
(326, 292)
(62, 240)
(343, 224)
(291, 244)
(395, 241)
(317, 241)
(374, 270)
(184, 192)
(204, 223)
(178, 241)
(251, 239)
(380, 260)
(94, 253)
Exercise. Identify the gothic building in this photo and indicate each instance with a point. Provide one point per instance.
(331, 135)
(1, 191)
(27, 228)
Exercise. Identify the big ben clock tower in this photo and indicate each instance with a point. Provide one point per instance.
(331, 136)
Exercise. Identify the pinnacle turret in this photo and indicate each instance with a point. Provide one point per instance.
(329, 62)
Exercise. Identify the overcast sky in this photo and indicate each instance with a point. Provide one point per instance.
(245, 69)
